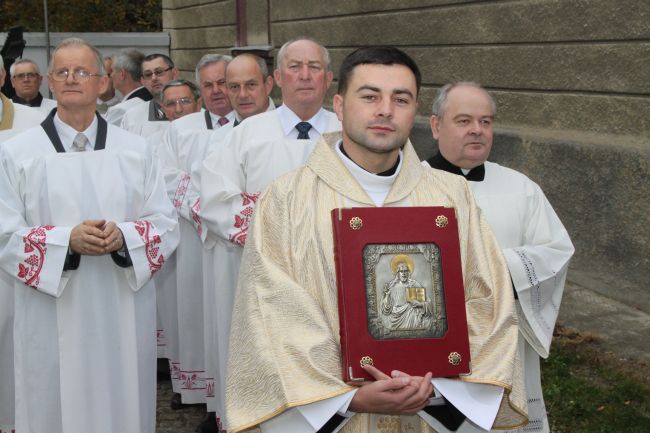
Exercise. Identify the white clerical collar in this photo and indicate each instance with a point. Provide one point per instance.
(288, 120)
(232, 116)
(377, 187)
(465, 170)
(67, 133)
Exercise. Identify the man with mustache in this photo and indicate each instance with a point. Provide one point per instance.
(535, 244)
(262, 148)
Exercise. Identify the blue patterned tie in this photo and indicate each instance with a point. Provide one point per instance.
(303, 129)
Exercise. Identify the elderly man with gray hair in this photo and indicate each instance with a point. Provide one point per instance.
(126, 76)
(84, 225)
(535, 244)
(26, 79)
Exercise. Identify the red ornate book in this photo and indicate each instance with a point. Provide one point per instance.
(400, 291)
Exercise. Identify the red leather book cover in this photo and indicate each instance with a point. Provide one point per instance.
(400, 291)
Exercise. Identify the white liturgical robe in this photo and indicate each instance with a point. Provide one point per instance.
(14, 118)
(144, 119)
(182, 144)
(84, 337)
(537, 250)
(256, 152)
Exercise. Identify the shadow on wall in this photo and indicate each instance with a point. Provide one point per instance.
(602, 195)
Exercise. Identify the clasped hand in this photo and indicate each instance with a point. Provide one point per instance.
(96, 238)
(398, 394)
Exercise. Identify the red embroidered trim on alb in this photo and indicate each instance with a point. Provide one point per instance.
(35, 242)
(196, 208)
(179, 195)
(242, 221)
(209, 387)
(151, 245)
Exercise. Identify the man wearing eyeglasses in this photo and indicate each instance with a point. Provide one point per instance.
(84, 225)
(264, 147)
(14, 118)
(126, 76)
(145, 119)
(26, 80)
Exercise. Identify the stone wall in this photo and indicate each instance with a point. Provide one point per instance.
(571, 80)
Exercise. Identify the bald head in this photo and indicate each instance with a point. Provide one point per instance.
(249, 85)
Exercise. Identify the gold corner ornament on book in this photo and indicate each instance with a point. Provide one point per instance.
(356, 223)
(441, 221)
(454, 358)
(400, 291)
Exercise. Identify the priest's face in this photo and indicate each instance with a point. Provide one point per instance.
(179, 101)
(465, 133)
(247, 89)
(377, 112)
(155, 74)
(303, 77)
(212, 81)
(26, 81)
(76, 91)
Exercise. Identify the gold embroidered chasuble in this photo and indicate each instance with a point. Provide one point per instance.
(7, 121)
(285, 330)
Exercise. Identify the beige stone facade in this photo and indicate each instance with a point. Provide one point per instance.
(571, 80)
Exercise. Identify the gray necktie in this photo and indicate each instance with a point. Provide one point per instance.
(79, 143)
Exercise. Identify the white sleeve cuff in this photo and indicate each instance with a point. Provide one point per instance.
(311, 417)
(479, 402)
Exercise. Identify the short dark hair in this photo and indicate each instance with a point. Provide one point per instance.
(376, 56)
(155, 56)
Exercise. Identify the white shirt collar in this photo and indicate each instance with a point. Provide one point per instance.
(215, 118)
(67, 133)
(377, 187)
(289, 120)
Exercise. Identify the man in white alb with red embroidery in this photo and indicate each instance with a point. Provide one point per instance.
(84, 224)
(14, 118)
(262, 148)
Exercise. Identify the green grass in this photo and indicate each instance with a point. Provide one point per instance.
(591, 391)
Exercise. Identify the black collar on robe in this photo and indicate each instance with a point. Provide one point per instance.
(391, 171)
(141, 93)
(155, 112)
(477, 174)
(208, 120)
(50, 130)
(36, 102)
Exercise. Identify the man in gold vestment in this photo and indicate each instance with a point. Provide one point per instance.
(284, 370)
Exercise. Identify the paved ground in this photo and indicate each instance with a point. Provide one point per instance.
(175, 421)
(621, 328)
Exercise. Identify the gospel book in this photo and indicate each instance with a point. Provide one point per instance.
(400, 291)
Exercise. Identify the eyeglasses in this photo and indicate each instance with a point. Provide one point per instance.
(183, 101)
(77, 74)
(147, 75)
(26, 76)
